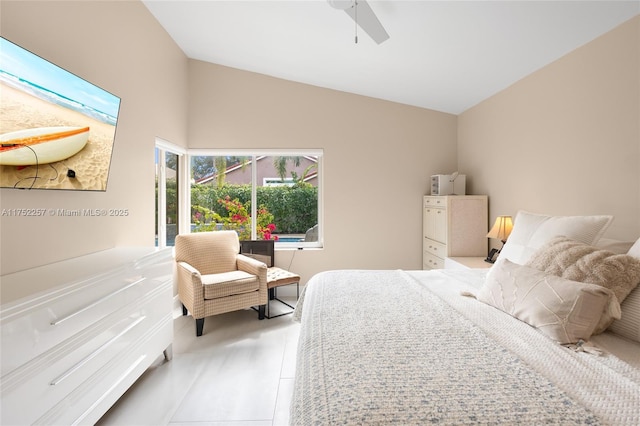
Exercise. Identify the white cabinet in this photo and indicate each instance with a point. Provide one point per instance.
(453, 225)
(76, 334)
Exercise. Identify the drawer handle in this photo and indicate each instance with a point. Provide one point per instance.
(95, 353)
(97, 302)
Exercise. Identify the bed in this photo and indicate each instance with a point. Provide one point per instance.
(470, 346)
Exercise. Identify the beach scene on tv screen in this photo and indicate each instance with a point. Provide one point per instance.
(56, 129)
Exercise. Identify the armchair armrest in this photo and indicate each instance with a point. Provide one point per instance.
(190, 289)
(251, 265)
(255, 267)
(188, 273)
(188, 267)
(246, 262)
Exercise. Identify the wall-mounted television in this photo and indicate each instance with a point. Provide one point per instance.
(56, 129)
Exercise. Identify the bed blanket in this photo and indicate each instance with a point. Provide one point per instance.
(380, 347)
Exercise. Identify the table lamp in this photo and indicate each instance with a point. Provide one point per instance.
(500, 231)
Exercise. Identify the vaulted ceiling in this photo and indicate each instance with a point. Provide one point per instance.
(441, 55)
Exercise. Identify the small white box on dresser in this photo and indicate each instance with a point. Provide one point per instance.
(449, 184)
(76, 334)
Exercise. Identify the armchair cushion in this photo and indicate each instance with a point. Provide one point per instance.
(229, 284)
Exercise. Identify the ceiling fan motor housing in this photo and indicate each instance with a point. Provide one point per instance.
(342, 4)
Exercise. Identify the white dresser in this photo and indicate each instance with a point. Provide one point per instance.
(453, 225)
(77, 334)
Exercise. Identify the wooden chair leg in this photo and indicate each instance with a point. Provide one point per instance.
(199, 326)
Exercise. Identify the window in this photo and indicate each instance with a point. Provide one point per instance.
(169, 197)
(280, 189)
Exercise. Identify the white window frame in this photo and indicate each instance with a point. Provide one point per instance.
(184, 196)
(256, 153)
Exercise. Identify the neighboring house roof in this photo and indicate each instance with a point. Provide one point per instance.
(266, 169)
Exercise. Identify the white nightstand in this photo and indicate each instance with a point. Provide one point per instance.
(466, 263)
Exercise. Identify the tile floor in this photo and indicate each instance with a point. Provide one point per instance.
(239, 372)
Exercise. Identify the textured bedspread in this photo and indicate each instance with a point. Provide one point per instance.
(380, 347)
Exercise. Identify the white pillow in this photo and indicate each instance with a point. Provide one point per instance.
(531, 231)
(635, 249)
(629, 325)
(566, 311)
(615, 246)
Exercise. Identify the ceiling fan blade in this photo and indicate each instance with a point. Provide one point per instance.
(368, 21)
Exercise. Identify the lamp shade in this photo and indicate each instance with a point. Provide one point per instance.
(501, 228)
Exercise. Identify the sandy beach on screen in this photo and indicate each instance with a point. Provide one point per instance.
(19, 110)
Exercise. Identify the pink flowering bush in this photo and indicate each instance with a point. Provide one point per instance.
(238, 219)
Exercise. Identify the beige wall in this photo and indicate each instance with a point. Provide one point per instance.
(120, 47)
(378, 157)
(565, 139)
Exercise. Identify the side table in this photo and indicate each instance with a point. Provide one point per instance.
(277, 277)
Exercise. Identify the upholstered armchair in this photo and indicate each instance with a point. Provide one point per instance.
(213, 278)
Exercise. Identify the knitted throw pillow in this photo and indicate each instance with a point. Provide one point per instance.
(580, 262)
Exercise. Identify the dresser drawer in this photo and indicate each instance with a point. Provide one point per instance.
(77, 333)
(75, 363)
(112, 380)
(430, 261)
(435, 248)
(434, 202)
(31, 329)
